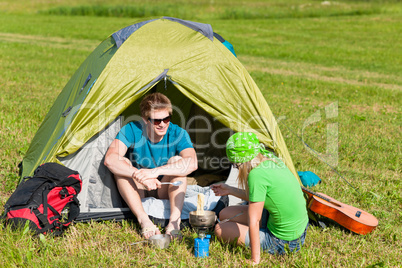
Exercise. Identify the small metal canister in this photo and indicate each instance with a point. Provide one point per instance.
(201, 246)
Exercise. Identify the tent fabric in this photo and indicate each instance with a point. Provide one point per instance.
(184, 60)
(122, 35)
(202, 28)
(98, 187)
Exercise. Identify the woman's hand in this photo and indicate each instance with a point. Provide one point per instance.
(220, 189)
(252, 262)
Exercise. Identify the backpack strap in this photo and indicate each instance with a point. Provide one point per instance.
(56, 213)
(74, 209)
(46, 191)
(42, 217)
(44, 223)
(74, 212)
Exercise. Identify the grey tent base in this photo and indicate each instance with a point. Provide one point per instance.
(118, 215)
(125, 214)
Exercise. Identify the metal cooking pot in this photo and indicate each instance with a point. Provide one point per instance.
(207, 220)
(160, 241)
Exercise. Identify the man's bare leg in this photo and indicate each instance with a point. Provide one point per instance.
(176, 195)
(132, 193)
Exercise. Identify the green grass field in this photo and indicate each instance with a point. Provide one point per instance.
(307, 57)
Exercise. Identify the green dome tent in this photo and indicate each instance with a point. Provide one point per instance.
(212, 93)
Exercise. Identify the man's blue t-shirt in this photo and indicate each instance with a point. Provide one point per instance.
(145, 154)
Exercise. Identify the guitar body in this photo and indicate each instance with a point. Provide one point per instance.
(353, 219)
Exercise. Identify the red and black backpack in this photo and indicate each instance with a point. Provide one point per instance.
(47, 201)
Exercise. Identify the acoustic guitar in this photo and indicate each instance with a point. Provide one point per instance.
(353, 219)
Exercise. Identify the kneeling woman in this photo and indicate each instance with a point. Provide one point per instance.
(269, 184)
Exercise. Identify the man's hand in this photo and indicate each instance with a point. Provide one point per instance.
(148, 178)
(143, 174)
(152, 184)
(220, 189)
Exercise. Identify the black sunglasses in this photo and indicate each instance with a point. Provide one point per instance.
(158, 121)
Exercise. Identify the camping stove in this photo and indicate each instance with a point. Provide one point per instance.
(202, 223)
(202, 231)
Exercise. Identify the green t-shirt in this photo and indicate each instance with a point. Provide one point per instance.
(276, 186)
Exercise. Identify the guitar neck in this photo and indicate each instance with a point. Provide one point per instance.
(315, 194)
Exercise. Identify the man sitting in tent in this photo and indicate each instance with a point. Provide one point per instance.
(159, 151)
